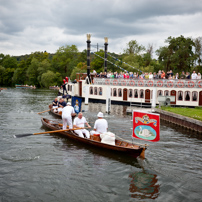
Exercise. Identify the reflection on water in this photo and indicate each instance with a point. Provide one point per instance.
(144, 185)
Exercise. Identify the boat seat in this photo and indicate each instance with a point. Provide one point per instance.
(95, 137)
(120, 143)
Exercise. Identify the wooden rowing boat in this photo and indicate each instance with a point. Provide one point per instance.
(58, 114)
(119, 147)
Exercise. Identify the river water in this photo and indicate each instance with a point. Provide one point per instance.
(51, 168)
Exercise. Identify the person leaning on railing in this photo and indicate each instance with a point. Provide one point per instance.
(183, 76)
(199, 76)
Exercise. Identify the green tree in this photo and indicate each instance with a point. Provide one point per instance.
(9, 62)
(2, 70)
(65, 59)
(48, 79)
(97, 63)
(178, 55)
(198, 50)
(134, 48)
(43, 67)
(58, 79)
(32, 72)
(164, 57)
(7, 76)
(20, 76)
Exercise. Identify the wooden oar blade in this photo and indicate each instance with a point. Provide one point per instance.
(22, 135)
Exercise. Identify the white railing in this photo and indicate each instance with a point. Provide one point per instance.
(164, 83)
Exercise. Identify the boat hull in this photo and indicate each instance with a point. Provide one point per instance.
(120, 147)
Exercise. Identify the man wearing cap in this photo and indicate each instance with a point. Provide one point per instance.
(67, 113)
(79, 122)
(100, 125)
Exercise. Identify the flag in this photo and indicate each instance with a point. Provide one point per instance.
(76, 103)
(146, 126)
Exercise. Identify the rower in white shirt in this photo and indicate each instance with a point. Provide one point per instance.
(79, 122)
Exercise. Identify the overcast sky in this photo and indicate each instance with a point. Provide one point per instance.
(37, 25)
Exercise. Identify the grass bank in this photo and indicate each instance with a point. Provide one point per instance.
(195, 113)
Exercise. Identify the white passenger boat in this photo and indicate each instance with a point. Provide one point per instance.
(126, 91)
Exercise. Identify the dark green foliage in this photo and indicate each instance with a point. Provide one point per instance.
(178, 55)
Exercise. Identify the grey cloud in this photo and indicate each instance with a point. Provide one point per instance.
(115, 18)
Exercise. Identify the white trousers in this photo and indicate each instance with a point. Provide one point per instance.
(55, 108)
(80, 133)
(67, 120)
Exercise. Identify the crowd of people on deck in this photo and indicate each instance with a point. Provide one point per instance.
(148, 75)
(100, 126)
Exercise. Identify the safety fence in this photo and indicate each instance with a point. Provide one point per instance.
(164, 83)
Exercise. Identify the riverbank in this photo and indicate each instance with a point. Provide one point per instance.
(191, 118)
(194, 113)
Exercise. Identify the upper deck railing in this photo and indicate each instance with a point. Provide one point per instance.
(161, 83)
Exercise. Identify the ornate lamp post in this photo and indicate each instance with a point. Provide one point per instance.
(106, 44)
(88, 56)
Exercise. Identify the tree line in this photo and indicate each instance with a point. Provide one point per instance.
(44, 69)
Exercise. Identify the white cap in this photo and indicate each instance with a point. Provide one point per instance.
(68, 103)
(100, 114)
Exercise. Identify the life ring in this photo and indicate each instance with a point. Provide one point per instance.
(150, 83)
(123, 83)
(107, 81)
(199, 84)
(180, 86)
(192, 84)
(160, 83)
(140, 83)
(115, 82)
(131, 83)
(168, 84)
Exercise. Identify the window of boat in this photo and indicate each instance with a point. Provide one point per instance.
(180, 95)
(166, 93)
(194, 96)
(130, 93)
(160, 93)
(91, 90)
(68, 87)
(141, 93)
(100, 90)
(95, 90)
(114, 92)
(120, 92)
(135, 93)
(187, 96)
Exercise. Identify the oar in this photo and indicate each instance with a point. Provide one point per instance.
(52, 131)
(43, 111)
